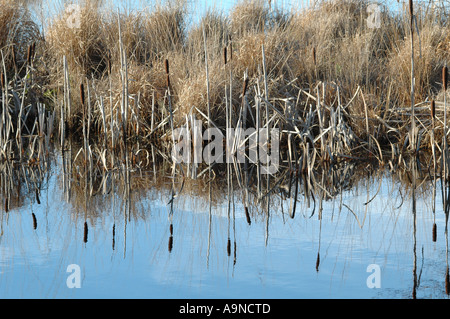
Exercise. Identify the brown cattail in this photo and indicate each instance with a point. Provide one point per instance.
(85, 236)
(82, 94)
(6, 204)
(225, 55)
(166, 64)
(434, 232)
(34, 221)
(444, 77)
(411, 10)
(433, 109)
(2, 79)
(314, 55)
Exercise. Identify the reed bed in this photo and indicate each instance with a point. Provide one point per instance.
(337, 90)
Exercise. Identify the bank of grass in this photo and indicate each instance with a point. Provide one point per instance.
(333, 82)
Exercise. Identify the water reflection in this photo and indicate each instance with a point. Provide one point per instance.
(139, 232)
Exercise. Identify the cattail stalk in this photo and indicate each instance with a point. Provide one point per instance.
(413, 117)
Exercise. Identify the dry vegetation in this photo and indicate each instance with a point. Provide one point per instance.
(327, 73)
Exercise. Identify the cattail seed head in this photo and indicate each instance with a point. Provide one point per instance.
(225, 55)
(247, 215)
(411, 9)
(445, 77)
(433, 109)
(314, 56)
(82, 93)
(171, 229)
(2, 80)
(166, 64)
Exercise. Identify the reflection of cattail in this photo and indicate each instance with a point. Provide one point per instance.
(229, 247)
(444, 77)
(247, 215)
(6, 204)
(317, 262)
(171, 229)
(114, 236)
(85, 236)
(37, 197)
(170, 243)
(34, 221)
(434, 232)
(447, 283)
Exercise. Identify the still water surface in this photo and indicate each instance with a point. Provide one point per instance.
(127, 255)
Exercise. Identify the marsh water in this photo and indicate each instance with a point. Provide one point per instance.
(373, 238)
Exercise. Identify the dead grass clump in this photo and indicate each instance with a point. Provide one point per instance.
(17, 32)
